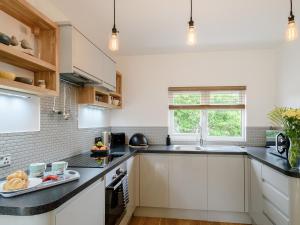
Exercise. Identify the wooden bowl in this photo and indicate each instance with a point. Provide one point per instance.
(24, 80)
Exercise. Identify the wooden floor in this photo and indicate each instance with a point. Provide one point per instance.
(162, 221)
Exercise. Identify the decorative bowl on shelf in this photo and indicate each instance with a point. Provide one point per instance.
(4, 39)
(24, 80)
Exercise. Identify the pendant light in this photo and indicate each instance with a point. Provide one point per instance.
(114, 39)
(191, 36)
(291, 33)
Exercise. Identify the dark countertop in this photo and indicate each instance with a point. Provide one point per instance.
(49, 199)
(275, 162)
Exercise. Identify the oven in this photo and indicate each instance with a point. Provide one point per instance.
(116, 195)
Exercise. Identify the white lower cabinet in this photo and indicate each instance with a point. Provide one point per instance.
(88, 207)
(256, 199)
(195, 182)
(269, 201)
(188, 182)
(226, 183)
(154, 180)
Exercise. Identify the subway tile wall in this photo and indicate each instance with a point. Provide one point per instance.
(57, 139)
(157, 135)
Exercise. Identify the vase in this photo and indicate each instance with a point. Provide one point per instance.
(294, 153)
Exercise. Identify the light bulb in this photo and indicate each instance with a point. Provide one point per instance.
(191, 37)
(114, 42)
(291, 33)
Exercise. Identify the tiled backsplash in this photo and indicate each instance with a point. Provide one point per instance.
(57, 139)
(157, 135)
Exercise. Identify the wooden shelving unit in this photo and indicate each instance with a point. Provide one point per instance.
(95, 97)
(23, 60)
(100, 98)
(26, 88)
(45, 64)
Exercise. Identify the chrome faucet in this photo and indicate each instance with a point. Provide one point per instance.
(201, 141)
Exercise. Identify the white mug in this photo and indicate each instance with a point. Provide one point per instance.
(59, 167)
(37, 169)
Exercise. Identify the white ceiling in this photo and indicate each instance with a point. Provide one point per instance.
(159, 26)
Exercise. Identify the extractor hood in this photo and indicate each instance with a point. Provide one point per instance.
(82, 62)
(80, 78)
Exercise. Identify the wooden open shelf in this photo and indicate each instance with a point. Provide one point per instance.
(44, 65)
(95, 97)
(98, 97)
(27, 14)
(115, 94)
(103, 105)
(26, 88)
(20, 59)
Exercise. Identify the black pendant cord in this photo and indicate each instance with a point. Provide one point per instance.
(291, 17)
(114, 30)
(191, 9)
(191, 22)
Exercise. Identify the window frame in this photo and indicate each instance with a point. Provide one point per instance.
(194, 137)
(189, 137)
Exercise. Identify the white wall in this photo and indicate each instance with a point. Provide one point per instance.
(289, 76)
(147, 78)
(48, 9)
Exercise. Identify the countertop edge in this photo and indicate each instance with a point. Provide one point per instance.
(37, 210)
(289, 173)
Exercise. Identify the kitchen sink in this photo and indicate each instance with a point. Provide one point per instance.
(188, 148)
(212, 148)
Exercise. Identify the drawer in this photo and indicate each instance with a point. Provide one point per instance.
(273, 214)
(277, 180)
(280, 200)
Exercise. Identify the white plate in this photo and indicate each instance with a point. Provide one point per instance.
(33, 182)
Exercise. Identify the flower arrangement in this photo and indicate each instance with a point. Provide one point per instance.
(289, 120)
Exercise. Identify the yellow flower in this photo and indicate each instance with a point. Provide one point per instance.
(292, 113)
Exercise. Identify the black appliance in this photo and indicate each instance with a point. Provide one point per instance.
(116, 198)
(117, 139)
(282, 145)
(138, 140)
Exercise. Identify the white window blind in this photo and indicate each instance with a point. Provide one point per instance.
(216, 97)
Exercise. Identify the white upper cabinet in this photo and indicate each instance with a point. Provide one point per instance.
(188, 182)
(78, 55)
(154, 178)
(226, 183)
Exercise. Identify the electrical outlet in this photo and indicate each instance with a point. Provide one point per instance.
(5, 160)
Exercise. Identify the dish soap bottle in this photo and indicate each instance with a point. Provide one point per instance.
(168, 140)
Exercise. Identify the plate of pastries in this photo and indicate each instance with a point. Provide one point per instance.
(18, 181)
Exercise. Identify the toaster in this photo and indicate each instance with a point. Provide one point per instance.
(117, 139)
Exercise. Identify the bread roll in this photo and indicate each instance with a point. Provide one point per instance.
(18, 174)
(15, 184)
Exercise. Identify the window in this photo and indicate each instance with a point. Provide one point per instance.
(217, 112)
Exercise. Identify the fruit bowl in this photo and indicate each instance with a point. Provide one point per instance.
(100, 150)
